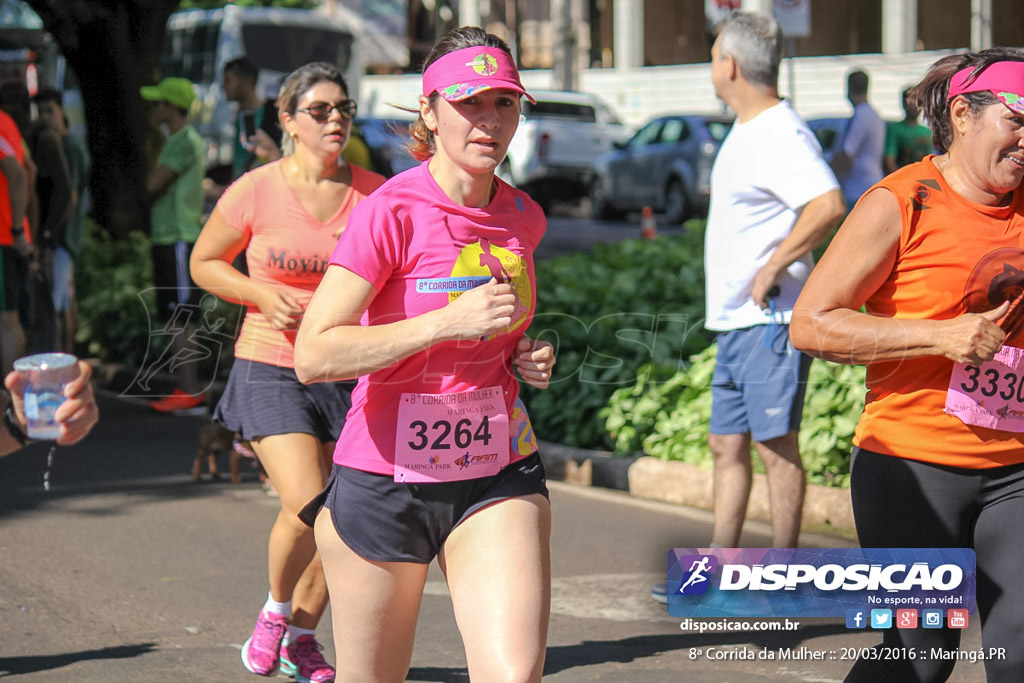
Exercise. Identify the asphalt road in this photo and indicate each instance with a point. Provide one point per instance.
(570, 229)
(127, 571)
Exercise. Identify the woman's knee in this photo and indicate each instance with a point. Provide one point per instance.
(521, 669)
(288, 521)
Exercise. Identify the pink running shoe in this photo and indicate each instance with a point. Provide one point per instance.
(260, 653)
(302, 661)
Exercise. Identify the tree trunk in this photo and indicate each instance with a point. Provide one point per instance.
(113, 47)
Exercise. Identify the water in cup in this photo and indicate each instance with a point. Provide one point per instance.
(48, 373)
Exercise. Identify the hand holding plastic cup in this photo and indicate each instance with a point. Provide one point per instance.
(48, 374)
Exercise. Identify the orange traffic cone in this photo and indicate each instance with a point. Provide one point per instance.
(648, 225)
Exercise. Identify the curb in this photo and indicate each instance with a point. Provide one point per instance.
(826, 509)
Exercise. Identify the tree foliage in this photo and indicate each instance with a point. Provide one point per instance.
(212, 4)
(113, 47)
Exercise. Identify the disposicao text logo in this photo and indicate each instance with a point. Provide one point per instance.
(817, 582)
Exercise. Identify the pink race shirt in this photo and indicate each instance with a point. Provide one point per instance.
(421, 251)
(288, 248)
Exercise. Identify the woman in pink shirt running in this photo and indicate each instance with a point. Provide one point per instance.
(426, 300)
(287, 216)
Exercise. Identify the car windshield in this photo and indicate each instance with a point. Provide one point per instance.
(279, 47)
(647, 135)
(718, 129)
(562, 110)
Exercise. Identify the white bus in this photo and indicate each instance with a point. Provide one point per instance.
(199, 43)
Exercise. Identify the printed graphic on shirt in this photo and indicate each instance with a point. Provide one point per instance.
(923, 192)
(429, 285)
(475, 265)
(486, 260)
(520, 430)
(998, 277)
(294, 262)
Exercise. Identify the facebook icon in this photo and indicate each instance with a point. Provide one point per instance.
(856, 618)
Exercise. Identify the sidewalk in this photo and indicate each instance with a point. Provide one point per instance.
(826, 510)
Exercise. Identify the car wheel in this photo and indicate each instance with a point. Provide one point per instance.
(600, 208)
(542, 197)
(675, 202)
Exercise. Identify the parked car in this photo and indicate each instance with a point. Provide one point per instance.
(556, 142)
(388, 140)
(829, 130)
(666, 165)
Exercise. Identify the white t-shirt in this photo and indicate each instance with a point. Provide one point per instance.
(864, 143)
(767, 169)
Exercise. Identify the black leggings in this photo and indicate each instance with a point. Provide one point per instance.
(900, 503)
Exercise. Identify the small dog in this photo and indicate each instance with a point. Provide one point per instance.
(213, 440)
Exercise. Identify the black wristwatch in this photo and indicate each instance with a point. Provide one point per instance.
(13, 428)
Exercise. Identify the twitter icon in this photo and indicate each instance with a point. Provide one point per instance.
(881, 618)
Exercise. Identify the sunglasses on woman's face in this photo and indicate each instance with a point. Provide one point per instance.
(321, 111)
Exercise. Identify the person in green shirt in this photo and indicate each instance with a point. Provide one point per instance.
(906, 141)
(175, 185)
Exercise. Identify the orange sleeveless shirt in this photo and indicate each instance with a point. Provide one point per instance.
(954, 257)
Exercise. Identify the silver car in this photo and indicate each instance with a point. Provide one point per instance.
(666, 165)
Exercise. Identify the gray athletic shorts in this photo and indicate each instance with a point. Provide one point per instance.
(263, 400)
(387, 521)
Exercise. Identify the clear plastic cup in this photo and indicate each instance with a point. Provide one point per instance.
(48, 373)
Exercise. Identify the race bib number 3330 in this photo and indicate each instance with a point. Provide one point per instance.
(451, 437)
(990, 394)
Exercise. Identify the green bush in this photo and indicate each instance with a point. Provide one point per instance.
(113, 283)
(611, 312)
(667, 417)
(116, 300)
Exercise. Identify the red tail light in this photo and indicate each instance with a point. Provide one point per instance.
(542, 146)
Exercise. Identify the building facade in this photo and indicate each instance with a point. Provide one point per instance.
(634, 33)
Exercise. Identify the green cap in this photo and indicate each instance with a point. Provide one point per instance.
(177, 91)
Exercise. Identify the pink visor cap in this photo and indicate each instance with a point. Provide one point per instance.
(1005, 80)
(472, 70)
